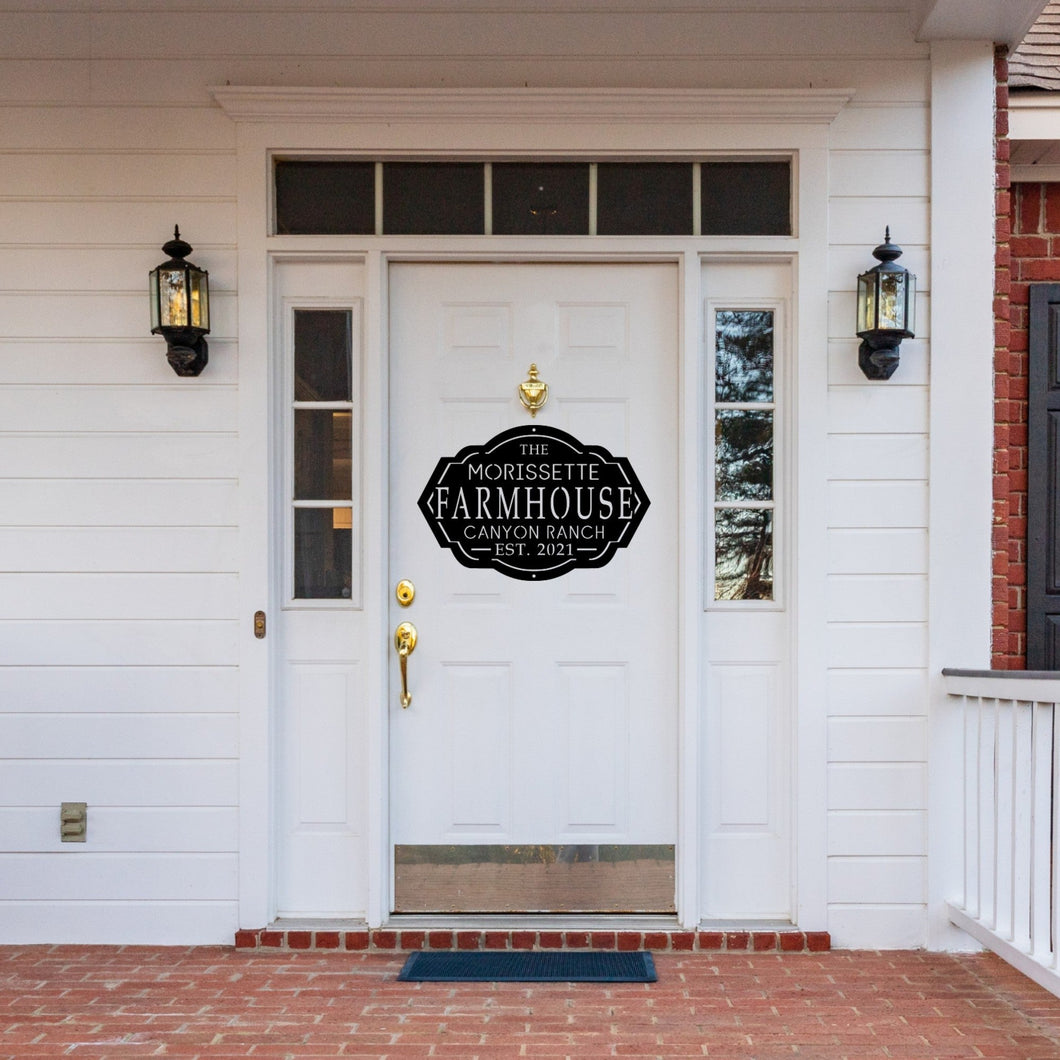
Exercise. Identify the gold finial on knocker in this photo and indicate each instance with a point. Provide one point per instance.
(532, 392)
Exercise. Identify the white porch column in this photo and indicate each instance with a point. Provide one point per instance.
(961, 424)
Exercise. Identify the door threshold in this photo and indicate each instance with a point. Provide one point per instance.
(659, 934)
(534, 921)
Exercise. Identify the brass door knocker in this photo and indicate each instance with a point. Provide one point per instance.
(533, 393)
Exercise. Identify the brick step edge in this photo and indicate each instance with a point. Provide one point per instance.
(386, 940)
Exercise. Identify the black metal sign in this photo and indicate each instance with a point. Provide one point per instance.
(533, 503)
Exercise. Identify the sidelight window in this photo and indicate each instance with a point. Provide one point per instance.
(744, 503)
(322, 445)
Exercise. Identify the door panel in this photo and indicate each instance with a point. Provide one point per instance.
(543, 714)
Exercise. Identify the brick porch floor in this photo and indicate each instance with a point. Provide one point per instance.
(93, 1002)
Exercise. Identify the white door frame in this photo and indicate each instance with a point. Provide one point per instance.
(547, 123)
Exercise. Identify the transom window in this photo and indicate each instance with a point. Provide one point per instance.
(327, 197)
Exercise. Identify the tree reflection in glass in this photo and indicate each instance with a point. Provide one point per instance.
(743, 365)
(743, 560)
(743, 455)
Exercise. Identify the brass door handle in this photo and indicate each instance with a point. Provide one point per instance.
(405, 637)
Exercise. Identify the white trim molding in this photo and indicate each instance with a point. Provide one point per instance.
(535, 106)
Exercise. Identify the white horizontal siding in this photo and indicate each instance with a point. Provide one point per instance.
(118, 488)
(119, 315)
(106, 689)
(140, 643)
(118, 502)
(843, 367)
(114, 269)
(861, 925)
(879, 834)
(867, 505)
(874, 692)
(867, 881)
(116, 829)
(884, 739)
(118, 876)
(118, 548)
(103, 597)
(108, 408)
(877, 786)
(877, 539)
(131, 455)
(124, 735)
(118, 922)
(118, 782)
(877, 598)
(117, 176)
(891, 550)
(873, 457)
(116, 362)
(74, 129)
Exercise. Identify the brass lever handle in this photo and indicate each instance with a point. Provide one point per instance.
(405, 637)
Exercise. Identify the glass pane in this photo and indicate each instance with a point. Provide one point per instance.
(743, 367)
(424, 198)
(545, 199)
(743, 554)
(575, 878)
(323, 553)
(173, 301)
(322, 455)
(200, 299)
(325, 198)
(322, 355)
(866, 302)
(743, 455)
(746, 198)
(644, 198)
(892, 300)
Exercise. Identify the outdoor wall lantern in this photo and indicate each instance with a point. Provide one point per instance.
(180, 307)
(886, 310)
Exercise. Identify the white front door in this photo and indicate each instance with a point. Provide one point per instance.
(535, 765)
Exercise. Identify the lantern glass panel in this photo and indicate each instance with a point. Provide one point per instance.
(892, 301)
(866, 302)
(153, 282)
(199, 299)
(173, 299)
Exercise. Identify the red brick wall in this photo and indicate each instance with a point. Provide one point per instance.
(1028, 251)
(1009, 619)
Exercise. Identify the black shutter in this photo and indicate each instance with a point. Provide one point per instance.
(1043, 479)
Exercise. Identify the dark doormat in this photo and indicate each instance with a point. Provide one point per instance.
(532, 966)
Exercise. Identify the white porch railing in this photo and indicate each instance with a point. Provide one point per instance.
(1011, 901)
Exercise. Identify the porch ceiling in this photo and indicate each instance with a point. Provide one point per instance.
(1002, 21)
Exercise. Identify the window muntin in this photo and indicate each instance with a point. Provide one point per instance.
(744, 464)
(328, 197)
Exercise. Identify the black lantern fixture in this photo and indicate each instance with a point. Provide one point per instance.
(180, 307)
(886, 310)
